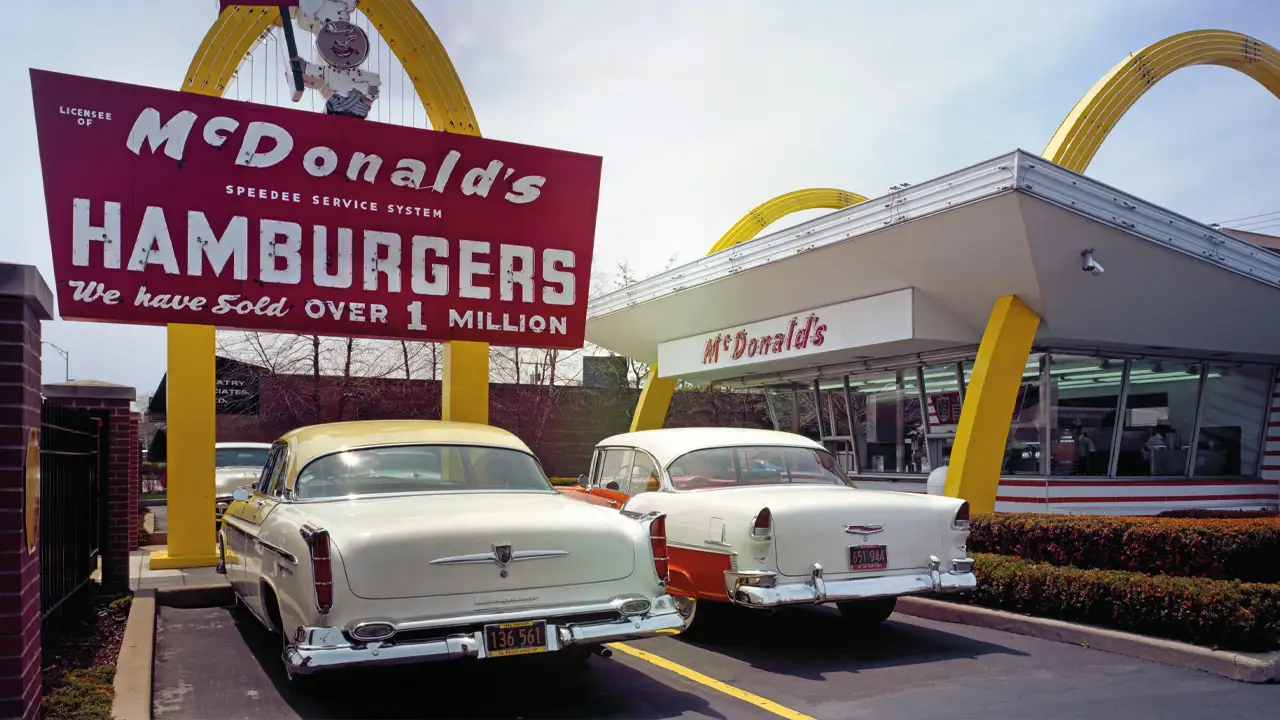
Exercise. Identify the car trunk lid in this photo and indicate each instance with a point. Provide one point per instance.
(820, 526)
(451, 543)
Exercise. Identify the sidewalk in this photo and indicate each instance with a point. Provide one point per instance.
(142, 577)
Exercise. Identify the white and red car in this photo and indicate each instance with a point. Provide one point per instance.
(384, 542)
(764, 519)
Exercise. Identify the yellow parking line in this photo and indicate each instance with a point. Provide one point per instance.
(727, 689)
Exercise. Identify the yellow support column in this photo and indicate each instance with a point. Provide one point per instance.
(465, 385)
(655, 398)
(974, 473)
(190, 415)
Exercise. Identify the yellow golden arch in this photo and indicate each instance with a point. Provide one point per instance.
(1092, 119)
(190, 396)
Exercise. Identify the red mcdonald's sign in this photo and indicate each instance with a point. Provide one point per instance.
(169, 207)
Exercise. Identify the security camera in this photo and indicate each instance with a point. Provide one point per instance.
(1091, 265)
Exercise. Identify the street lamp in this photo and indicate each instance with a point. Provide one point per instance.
(66, 357)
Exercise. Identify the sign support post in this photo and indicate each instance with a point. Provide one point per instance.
(191, 437)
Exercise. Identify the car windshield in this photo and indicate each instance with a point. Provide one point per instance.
(419, 468)
(240, 457)
(754, 465)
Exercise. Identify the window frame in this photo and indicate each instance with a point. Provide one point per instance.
(266, 479)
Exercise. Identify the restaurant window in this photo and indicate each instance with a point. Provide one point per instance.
(1084, 399)
(1159, 418)
(886, 410)
(942, 402)
(1232, 420)
(1023, 447)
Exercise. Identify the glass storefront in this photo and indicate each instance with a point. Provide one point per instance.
(1083, 397)
(1235, 401)
(1075, 415)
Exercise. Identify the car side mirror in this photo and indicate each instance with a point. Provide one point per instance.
(582, 481)
(241, 494)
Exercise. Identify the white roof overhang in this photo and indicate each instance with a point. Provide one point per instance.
(936, 256)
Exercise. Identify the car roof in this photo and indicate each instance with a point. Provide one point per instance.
(243, 445)
(669, 444)
(308, 442)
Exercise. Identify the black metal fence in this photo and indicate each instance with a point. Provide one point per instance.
(71, 502)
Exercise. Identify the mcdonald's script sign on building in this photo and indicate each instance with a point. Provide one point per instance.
(171, 207)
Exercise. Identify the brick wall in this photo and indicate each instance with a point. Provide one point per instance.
(24, 301)
(561, 424)
(112, 404)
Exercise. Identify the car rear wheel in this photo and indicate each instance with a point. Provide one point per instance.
(704, 620)
(867, 612)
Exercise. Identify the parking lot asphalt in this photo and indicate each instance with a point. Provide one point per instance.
(212, 663)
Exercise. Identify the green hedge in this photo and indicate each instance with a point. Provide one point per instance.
(1214, 613)
(563, 481)
(1223, 549)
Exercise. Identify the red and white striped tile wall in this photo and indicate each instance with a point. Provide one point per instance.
(1271, 446)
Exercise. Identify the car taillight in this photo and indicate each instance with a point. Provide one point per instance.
(962, 518)
(321, 571)
(658, 542)
(762, 528)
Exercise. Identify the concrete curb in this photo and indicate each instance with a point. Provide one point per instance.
(1245, 667)
(137, 654)
(195, 596)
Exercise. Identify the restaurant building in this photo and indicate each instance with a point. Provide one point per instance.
(1148, 371)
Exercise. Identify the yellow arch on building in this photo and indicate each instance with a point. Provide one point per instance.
(1081, 134)
(191, 413)
(770, 211)
(655, 398)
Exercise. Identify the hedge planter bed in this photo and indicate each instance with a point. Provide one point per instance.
(1222, 614)
(1246, 549)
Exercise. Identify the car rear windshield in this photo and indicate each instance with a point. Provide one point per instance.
(240, 457)
(754, 465)
(419, 468)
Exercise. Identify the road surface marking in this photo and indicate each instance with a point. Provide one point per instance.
(727, 689)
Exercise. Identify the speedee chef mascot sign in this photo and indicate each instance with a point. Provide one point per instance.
(169, 207)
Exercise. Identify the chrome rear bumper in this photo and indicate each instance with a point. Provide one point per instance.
(762, 589)
(325, 648)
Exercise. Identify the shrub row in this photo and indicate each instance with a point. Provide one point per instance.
(1220, 513)
(1214, 613)
(1223, 549)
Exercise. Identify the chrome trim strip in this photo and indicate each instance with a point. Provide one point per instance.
(863, 529)
(493, 557)
(233, 522)
(523, 613)
(696, 548)
(277, 551)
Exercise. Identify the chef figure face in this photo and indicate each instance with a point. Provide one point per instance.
(342, 44)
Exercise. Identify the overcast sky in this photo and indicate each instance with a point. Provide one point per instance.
(704, 109)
